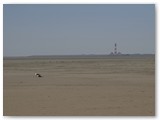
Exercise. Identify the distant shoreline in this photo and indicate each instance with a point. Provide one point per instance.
(75, 56)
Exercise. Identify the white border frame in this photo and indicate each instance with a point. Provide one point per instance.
(157, 4)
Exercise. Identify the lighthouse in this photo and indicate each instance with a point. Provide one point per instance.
(115, 52)
(115, 49)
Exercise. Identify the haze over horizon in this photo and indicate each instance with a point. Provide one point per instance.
(78, 29)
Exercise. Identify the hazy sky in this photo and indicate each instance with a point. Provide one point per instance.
(78, 29)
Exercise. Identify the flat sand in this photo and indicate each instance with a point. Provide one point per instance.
(100, 86)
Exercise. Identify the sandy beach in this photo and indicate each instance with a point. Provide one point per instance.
(81, 86)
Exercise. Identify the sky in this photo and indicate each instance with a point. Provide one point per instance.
(50, 29)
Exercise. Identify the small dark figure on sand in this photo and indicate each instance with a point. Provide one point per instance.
(38, 75)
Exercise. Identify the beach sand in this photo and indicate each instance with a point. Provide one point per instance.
(109, 86)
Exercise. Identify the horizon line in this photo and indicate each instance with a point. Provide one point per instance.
(80, 55)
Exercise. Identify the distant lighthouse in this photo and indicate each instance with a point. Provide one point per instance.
(115, 52)
(115, 48)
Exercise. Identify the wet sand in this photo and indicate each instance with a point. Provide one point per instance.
(98, 86)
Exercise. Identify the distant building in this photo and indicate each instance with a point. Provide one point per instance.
(111, 53)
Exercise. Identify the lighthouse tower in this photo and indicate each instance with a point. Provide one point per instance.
(115, 49)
